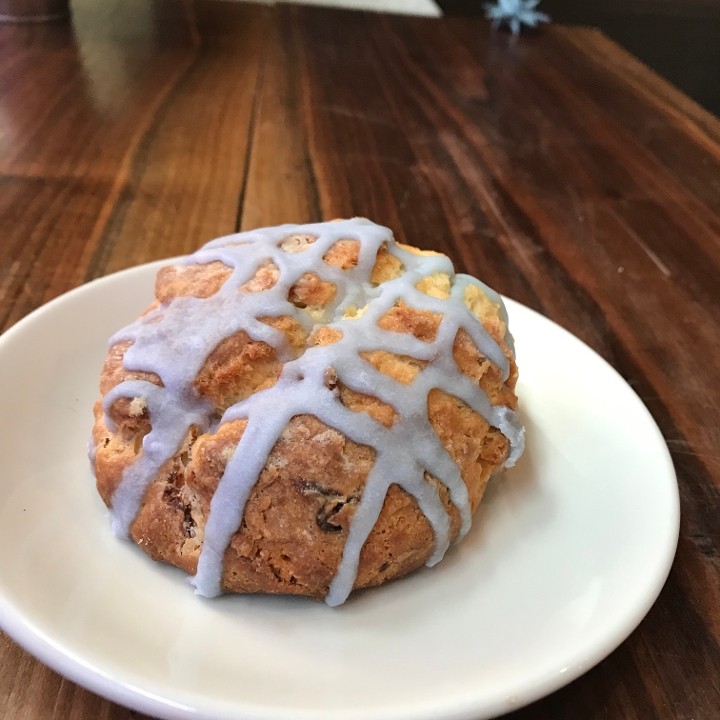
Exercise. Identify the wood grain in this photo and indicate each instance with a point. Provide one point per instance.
(114, 131)
(557, 168)
(279, 186)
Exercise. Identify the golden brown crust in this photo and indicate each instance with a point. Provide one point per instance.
(298, 514)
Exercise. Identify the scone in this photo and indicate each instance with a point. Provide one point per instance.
(306, 409)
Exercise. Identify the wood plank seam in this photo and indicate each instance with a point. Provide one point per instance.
(254, 112)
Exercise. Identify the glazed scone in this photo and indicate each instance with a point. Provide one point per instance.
(305, 409)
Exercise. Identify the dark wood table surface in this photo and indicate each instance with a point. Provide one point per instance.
(556, 167)
(679, 39)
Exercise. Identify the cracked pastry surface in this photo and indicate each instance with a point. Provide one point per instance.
(305, 410)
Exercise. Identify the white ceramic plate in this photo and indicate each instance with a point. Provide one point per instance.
(567, 553)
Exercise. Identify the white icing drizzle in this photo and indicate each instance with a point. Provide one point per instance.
(172, 415)
(175, 340)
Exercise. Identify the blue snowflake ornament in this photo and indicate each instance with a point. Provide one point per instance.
(515, 13)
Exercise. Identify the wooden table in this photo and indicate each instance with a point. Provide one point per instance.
(556, 167)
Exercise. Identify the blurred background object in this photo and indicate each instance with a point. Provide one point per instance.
(21, 11)
(679, 39)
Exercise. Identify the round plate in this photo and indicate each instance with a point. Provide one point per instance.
(567, 552)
